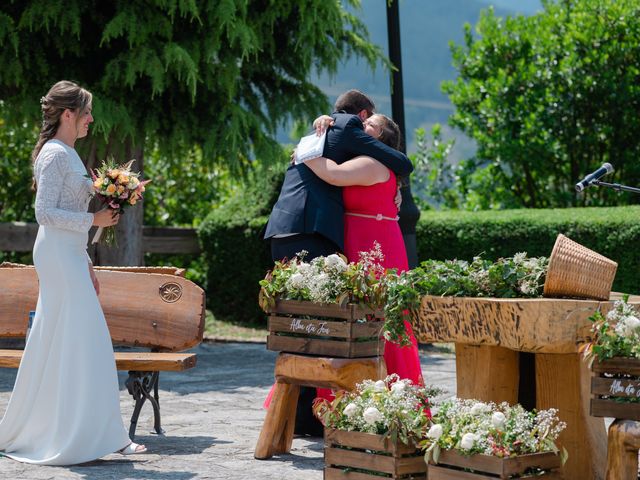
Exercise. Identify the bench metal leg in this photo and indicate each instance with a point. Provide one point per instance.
(140, 385)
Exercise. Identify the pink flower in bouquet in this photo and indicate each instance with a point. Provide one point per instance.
(117, 187)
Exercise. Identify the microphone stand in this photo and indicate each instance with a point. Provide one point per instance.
(616, 186)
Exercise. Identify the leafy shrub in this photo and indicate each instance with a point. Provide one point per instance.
(238, 258)
(233, 249)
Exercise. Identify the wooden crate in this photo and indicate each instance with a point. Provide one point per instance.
(454, 466)
(363, 456)
(331, 330)
(612, 381)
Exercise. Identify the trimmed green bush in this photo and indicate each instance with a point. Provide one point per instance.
(238, 258)
(613, 232)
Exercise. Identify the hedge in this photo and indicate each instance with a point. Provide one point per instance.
(237, 258)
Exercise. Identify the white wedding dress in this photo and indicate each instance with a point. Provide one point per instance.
(65, 407)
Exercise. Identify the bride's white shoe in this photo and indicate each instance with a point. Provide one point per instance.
(133, 449)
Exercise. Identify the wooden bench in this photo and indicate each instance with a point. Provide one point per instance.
(292, 371)
(153, 308)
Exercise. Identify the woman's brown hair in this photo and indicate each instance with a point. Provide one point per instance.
(62, 96)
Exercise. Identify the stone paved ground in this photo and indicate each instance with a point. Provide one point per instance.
(212, 416)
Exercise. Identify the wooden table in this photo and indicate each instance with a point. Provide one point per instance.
(489, 333)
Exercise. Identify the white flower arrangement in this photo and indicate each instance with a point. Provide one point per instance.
(473, 427)
(615, 335)
(392, 407)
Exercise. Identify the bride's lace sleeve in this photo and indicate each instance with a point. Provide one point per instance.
(50, 177)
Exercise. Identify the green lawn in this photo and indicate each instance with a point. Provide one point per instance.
(229, 332)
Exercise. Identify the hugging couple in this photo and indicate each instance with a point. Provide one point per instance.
(344, 201)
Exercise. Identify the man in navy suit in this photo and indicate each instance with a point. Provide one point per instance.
(309, 212)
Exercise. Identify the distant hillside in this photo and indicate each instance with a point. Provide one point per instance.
(427, 27)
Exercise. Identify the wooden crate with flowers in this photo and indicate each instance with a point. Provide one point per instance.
(373, 432)
(614, 353)
(327, 307)
(475, 441)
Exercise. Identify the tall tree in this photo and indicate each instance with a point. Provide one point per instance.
(218, 74)
(548, 99)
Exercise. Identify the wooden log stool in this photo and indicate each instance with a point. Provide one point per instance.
(622, 452)
(293, 371)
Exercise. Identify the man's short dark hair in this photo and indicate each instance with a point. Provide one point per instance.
(353, 102)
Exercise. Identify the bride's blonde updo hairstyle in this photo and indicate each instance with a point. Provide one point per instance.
(62, 96)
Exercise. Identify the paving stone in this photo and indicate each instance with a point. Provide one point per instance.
(212, 417)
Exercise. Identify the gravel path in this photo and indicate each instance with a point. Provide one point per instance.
(212, 416)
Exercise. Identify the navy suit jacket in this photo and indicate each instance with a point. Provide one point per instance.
(307, 204)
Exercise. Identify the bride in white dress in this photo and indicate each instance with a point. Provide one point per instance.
(64, 408)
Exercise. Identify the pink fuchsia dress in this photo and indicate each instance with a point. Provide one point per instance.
(371, 216)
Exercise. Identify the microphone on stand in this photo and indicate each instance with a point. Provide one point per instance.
(605, 169)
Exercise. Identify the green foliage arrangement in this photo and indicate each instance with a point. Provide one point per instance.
(391, 407)
(613, 232)
(517, 276)
(615, 335)
(548, 98)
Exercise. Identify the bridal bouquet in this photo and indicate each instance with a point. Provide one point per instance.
(503, 430)
(117, 187)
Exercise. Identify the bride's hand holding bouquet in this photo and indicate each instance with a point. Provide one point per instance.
(117, 187)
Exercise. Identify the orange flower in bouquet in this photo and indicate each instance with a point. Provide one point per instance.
(117, 187)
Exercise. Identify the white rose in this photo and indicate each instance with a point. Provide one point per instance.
(304, 268)
(372, 416)
(379, 386)
(296, 280)
(398, 387)
(335, 261)
(479, 408)
(350, 410)
(435, 432)
(498, 419)
(631, 324)
(468, 439)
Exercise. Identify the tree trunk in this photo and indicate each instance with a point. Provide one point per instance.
(128, 250)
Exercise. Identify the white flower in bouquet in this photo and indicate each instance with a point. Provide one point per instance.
(305, 269)
(372, 416)
(398, 387)
(468, 441)
(435, 432)
(379, 386)
(350, 410)
(335, 262)
(498, 419)
(479, 408)
(296, 281)
(628, 326)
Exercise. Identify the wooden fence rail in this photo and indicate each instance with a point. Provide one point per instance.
(20, 237)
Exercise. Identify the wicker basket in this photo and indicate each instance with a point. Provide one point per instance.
(575, 271)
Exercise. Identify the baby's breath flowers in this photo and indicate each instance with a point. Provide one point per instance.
(391, 407)
(473, 427)
(615, 335)
(331, 279)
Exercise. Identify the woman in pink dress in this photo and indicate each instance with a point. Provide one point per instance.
(371, 215)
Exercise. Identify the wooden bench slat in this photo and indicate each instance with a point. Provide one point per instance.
(142, 309)
(138, 361)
